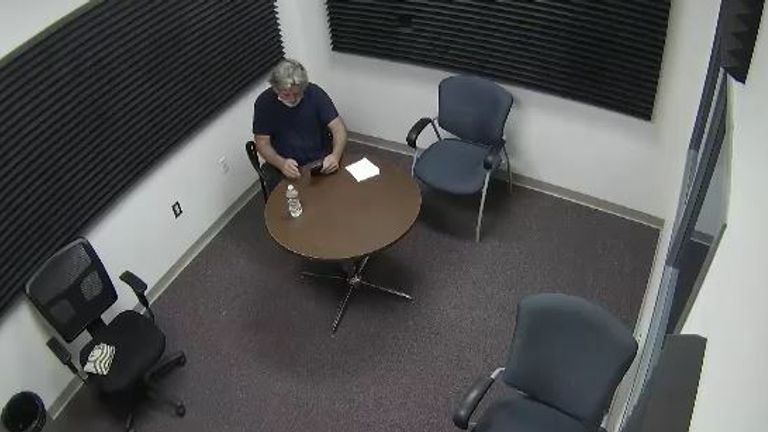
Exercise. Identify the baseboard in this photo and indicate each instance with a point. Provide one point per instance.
(66, 395)
(531, 183)
(201, 243)
(164, 282)
(589, 201)
(380, 143)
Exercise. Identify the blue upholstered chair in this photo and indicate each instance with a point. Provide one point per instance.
(475, 111)
(566, 360)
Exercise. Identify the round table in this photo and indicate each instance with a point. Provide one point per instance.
(345, 220)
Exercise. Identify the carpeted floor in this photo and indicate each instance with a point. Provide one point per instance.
(257, 337)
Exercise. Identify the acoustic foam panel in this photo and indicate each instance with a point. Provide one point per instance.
(93, 102)
(606, 53)
(741, 22)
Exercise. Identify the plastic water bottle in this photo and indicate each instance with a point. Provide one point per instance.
(294, 205)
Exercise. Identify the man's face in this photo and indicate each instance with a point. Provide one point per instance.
(290, 96)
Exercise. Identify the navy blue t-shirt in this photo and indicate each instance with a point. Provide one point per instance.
(300, 132)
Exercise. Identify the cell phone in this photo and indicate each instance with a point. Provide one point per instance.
(316, 168)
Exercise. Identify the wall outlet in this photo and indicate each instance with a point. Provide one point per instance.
(223, 164)
(177, 211)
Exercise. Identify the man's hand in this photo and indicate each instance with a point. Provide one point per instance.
(330, 164)
(290, 169)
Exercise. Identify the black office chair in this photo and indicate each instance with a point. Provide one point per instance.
(253, 156)
(475, 110)
(72, 290)
(566, 360)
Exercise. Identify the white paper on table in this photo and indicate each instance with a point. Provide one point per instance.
(363, 169)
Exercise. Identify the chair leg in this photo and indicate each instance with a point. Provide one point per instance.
(342, 308)
(177, 359)
(154, 394)
(509, 169)
(387, 290)
(264, 191)
(482, 207)
(129, 421)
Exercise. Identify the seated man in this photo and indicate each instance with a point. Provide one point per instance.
(291, 121)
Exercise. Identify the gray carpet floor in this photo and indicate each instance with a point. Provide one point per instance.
(257, 336)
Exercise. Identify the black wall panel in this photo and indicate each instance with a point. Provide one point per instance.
(87, 107)
(603, 52)
(741, 22)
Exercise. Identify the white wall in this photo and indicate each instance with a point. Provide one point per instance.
(730, 310)
(139, 232)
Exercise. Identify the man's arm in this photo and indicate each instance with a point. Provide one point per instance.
(289, 167)
(339, 133)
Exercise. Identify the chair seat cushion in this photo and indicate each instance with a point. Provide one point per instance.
(520, 414)
(138, 343)
(453, 166)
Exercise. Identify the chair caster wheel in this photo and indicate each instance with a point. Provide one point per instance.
(182, 360)
(181, 410)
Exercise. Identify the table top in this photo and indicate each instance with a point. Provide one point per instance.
(342, 218)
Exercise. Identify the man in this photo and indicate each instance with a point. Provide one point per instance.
(291, 121)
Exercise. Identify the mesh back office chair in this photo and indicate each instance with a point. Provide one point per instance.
(72, 290)
(475, 110)
(566, 360)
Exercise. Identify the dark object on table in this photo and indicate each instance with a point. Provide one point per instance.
(316, 168)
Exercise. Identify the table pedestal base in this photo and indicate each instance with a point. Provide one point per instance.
(354, 281)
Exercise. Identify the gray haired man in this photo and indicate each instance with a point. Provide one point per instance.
(291, 121)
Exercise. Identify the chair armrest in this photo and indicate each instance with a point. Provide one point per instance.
(416, 129)
(468, 404)
(137, 285)
(491, 161)
(493, 158)
(139, 288)
(62, 353)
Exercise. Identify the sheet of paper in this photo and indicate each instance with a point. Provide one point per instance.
(363, 169)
